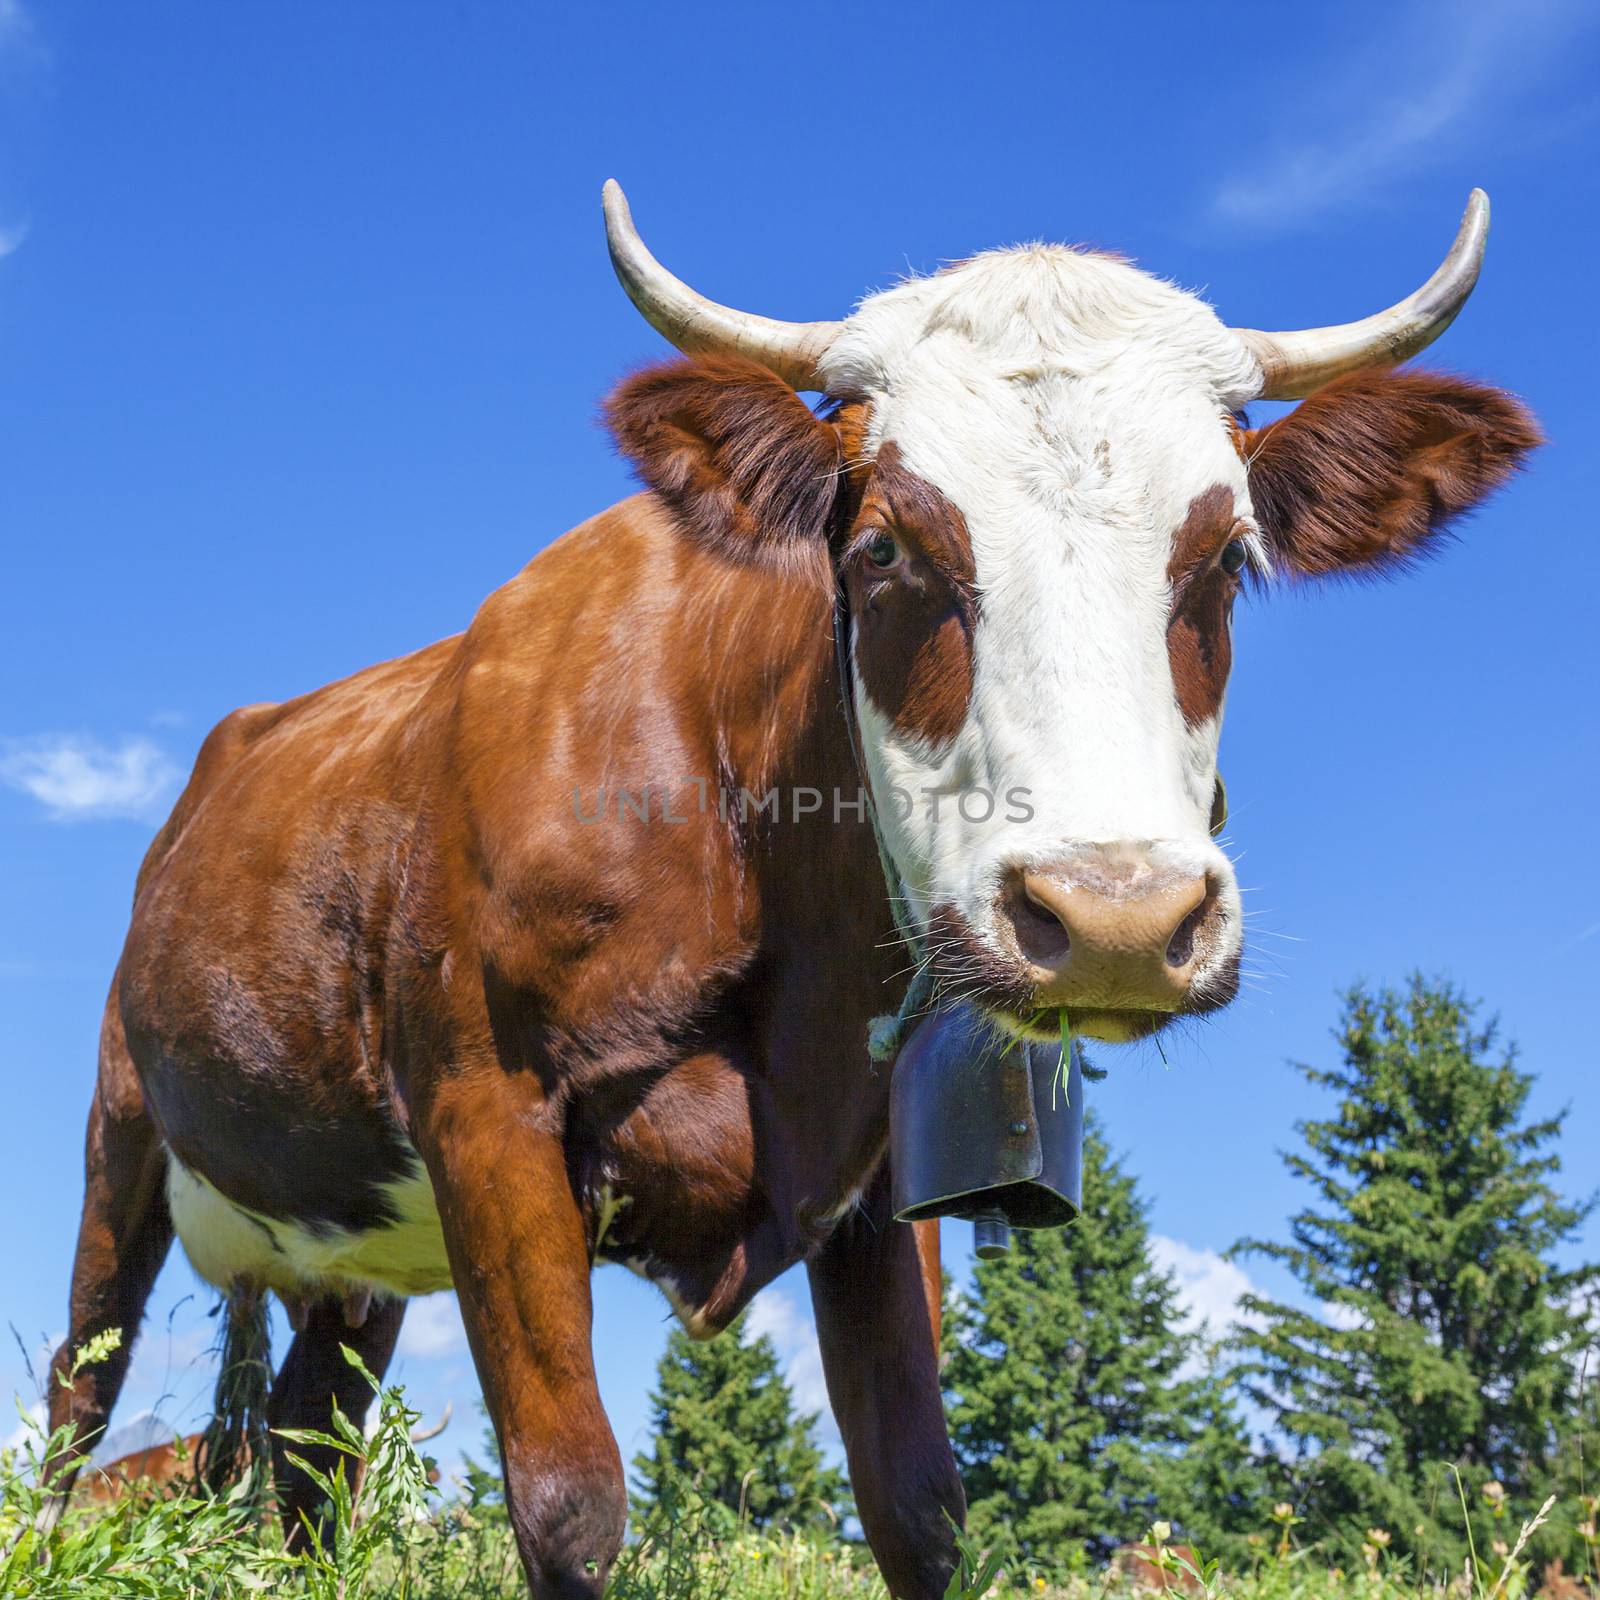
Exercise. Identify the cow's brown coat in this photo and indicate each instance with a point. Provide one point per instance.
(376, 922)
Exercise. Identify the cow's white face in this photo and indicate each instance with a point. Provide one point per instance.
(1035, 496)
(1041, 588)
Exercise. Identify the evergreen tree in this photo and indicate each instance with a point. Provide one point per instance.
(1446, 1334)
(1070, 1398)
(725, 1423)
(1218, 1491)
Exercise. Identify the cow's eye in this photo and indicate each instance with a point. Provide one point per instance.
(884, 551)
(1233, 557)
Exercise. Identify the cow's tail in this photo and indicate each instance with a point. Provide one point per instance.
(235, 1441)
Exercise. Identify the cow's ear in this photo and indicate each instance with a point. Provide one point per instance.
(1363, 473)
(745, 464)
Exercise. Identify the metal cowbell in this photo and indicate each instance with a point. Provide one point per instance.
(985, 1127)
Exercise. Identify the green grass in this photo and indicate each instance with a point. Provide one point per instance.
(394, 1536)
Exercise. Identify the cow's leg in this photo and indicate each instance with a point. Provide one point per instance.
(123, 1238)
(313, 1379)
(876, 1322)
(520, 1260)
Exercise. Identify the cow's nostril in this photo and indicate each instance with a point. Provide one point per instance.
(1180, 948)
(1040, 929)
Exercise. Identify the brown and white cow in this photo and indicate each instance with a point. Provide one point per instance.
(420, 993)
(170, 1466)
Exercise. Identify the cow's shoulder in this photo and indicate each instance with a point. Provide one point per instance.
(587, 740)
(580, 669)
(600, 593)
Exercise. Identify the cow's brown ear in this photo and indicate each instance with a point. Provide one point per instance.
(738, 455)
(1363, 473)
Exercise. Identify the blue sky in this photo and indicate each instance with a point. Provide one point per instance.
(304, 318)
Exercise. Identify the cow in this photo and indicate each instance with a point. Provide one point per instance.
(171, 1465)
(558, 941)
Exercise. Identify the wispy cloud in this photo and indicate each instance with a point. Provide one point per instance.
(16, 27)
(30, 1428)
(1210, 1287)
(794, 1336)
(432, 1328)
(77, 778)
(21, 57)
(22, 47)
(1440, 80)
(1209, 1291)
(1339, 1314)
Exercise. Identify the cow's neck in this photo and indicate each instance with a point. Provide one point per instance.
(777, 1085)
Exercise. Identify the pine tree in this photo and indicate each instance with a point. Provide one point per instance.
(1447, 1334)
(1218, 1494)
(1070, 1395)
(725, 1423)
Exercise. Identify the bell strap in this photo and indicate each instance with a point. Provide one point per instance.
(886, 1033)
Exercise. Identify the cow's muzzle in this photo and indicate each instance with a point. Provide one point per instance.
(1118, 940)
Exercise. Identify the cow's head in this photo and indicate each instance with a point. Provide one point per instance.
(1042, 504)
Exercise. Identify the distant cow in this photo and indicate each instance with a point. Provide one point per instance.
(171, 1463)
(559, 940)
(157, 1466)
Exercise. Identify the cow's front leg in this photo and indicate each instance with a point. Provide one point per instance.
(877, 1320)
(521, 1266)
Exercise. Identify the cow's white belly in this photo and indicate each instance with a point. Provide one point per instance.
(224, 1242)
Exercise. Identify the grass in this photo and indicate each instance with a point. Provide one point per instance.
(395, 1536)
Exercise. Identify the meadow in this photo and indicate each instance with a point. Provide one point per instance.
(396, 1534)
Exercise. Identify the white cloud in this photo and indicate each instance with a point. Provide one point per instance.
(794, 1336)
(29, 1428)
(432, 1328)
(1209, 1286)
(1339, 1315)
(21, 54)
(15, 25)
(1442, 78)
(77, 778)
(1209, 1291)
(36, 1355)
(22, 47)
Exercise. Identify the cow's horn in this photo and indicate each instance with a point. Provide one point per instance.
(698, 326)
(423, 1435)
(1296, 362)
